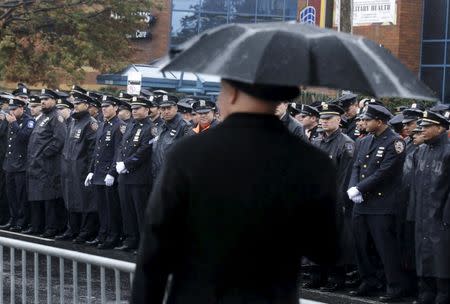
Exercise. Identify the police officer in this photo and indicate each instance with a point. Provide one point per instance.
(35, 107)
(43, 169)
(173, 128)
(185, 109)
(77, 155)
(288, 121)
(340, 148)
(5, 218)
(95, 105)
(349, 103)
(431, 197)
(134, 168)
(205, 110)
(103, 175)
(124, 109)
(65, 108)
(294, 110)
(373, 188)
(310, 121)
(410, 118)
(155, 114)
(20, 127)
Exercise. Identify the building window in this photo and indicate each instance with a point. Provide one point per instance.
(191, 17)
(435, 59)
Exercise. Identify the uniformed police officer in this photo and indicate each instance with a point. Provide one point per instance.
(35, 107)
(4, 206)
(103, 175)
(349, 103)
(185, 109)
(20, 127)
(288, 121)
(431, 197)
(373, 188)
(340, 148)
(410, 118)
(77, 156)
(124, 109)
(205, 110)
(155, 114)
(43, 169)
(173, 128)
(65, 108)
(95, 106)
(134, 168)
(310, 120)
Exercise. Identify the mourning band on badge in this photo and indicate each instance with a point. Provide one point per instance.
(399, 146)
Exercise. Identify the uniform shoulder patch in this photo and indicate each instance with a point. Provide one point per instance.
(399, 146)
(60, 118)
(94, 126)
(30, 124)
(350, 147)
(122, 128)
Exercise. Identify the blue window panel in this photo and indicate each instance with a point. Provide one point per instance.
(308, 15)
(219, 6)
(184, 26)
(433, 77)
(270, 7)
(208, 21)
(242, 7)
(291, 8)
(433, 53)
(434, 19)
(447, 86)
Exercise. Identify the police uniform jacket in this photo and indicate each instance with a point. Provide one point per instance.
(17, 144)
(239, 240)
(157, 123)
(44, 157)
(430, 192)
(109, 137)
(293, 125)
(407, 210)
(135, 151)
(314, 134)
(77, 156)
(377, 172)
(168, 133)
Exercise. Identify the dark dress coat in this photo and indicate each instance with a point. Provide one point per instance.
(231, 216)
(340, 149)
(377, 173)
(77, 156)
(293, 126)
(44, 157)
(430, 193)
(107, 143)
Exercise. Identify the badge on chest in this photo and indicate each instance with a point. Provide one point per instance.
(108, 135)
(380, 152)
(173, 132)
(77, 134)
(44, 121)
(137, 135)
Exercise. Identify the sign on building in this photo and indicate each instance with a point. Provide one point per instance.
(367, 12)
(134, 83)
(313, 12)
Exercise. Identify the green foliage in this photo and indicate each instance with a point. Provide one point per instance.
(50, 42)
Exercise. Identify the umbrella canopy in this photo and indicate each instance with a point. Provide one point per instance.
(297, 54)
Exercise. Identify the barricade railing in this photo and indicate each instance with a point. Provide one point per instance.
(62, 255)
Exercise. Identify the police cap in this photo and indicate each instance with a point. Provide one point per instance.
(397, 120)
(21, 91)
(166, 100)
(15, 102)
(108, 100)
(347, 100)
(145, 93)
(378, 112)
(309, 111)
(440, 108)
(34, 99)
(125, 96)
(137, 102)
(433, 118)
(81, 98)
(47, 93)
(329, 110)
(63, 103)
(76, 88)
(202, 106)
(124, 105)
(412, 114)
(184, 106)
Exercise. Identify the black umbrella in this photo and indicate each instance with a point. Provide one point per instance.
(294, 54)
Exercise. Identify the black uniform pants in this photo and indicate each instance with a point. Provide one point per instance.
(434, 290)
(17, 198)
(4, 206)
(133, 200)
(109, 214)
(84, 225)
(49, 215)
(381, 230)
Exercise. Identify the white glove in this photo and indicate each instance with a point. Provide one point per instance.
(109, 180)
(120, 168)
(352, 192)
(87, 181)
(358, 199)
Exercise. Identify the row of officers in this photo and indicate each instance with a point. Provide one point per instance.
(80, 166)
(74, 174)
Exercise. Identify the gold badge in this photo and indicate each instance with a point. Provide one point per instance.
(399, 146)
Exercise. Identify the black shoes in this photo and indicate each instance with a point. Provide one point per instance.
(126, 247)
(394, 297)
(15, 229)
(6, 226)
(79, 240)
(49, 234)
(65, 236)
(312, 284)
(365, 290)
(94, 242)
(30, 231)
(332, 287)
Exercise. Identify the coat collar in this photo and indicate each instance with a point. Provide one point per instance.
(253, 120)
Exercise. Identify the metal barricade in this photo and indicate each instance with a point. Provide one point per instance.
(60, 255)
